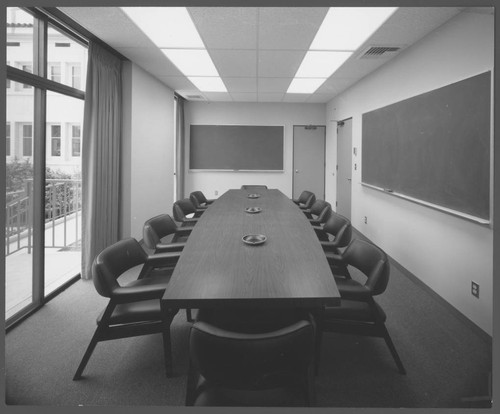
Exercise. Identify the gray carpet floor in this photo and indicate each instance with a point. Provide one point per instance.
(448, 363)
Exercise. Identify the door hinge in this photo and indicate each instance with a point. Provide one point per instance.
(337, 167)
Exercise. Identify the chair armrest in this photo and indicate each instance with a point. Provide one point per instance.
(352, 291)
(210, 201)
(334, 257)
(322, 235)
(308, 214)
(127, 294)
(199, 212)
(159, 260)
(169, 247)
(162, 259)
(314, 222)
(330, 245)
(183, 231)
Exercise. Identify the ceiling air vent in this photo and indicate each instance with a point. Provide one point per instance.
(195, 97)
(379, 52)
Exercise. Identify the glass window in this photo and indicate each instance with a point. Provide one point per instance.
(19, 205)
(75, 72)
(27, 139)
(59, 217)
(20, 37)
(75, 140)
(8, 80)
(7, 139)
(55, 72)
(73, 55)
(55, 140)
(63, 192)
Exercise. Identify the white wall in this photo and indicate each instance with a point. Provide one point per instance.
(287, 114)
(148, 149)
(444, 251)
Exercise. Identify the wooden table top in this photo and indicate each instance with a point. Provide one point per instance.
(217, 269)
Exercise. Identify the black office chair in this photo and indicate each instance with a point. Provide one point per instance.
(249, 187)
(199, 200)
(133, 308)
(319, 212)
(306, 199)
(158, 228)
(358, 312)
(184, 208)
(334, 235)
(256, 358)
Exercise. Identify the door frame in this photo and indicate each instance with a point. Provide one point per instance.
(341, 123)
(324, 154)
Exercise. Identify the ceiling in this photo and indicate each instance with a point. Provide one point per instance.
(257, 50)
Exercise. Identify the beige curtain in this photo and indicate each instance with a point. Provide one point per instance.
(179, 137)
(100, 155)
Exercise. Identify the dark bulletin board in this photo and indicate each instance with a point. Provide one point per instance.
(434, 147)
(236, 147)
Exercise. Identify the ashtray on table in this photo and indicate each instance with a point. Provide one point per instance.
(253, 210)
(254, 239)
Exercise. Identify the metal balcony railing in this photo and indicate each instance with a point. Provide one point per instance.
(63, 205)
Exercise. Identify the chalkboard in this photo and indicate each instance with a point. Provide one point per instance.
(236, 147)
(434, 147)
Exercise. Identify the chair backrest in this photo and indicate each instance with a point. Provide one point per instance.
(372, 261)
(321, 209)
(307, 198)
(247, 187)
(157, 228)
(113, 261)
(197, 198)
(182, 208)
(251, 360)
(340, 227)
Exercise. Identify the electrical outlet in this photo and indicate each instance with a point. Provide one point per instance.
(474, 289)
(366, 220)
(216, 192)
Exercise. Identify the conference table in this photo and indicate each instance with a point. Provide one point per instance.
(217, 269)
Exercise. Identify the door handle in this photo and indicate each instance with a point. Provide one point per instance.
(296, 171)
(349, 179)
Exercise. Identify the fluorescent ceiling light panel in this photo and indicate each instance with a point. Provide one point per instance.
(166, 26)
(347, 28)
(321, 64)
(192, 62)
(306, 85)
(208, 84)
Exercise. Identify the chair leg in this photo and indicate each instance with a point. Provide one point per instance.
(392, 348)
(168, 316)
(191, 383)
(310, 389)
(87, 355)
(318, 319)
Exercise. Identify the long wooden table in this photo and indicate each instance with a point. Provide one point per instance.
(217, 269)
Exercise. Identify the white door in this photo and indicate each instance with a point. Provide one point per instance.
(309, 160)
(344, 167)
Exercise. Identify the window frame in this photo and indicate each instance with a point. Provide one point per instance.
(41, 85)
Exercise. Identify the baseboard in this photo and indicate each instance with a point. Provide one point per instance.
(459, 315)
